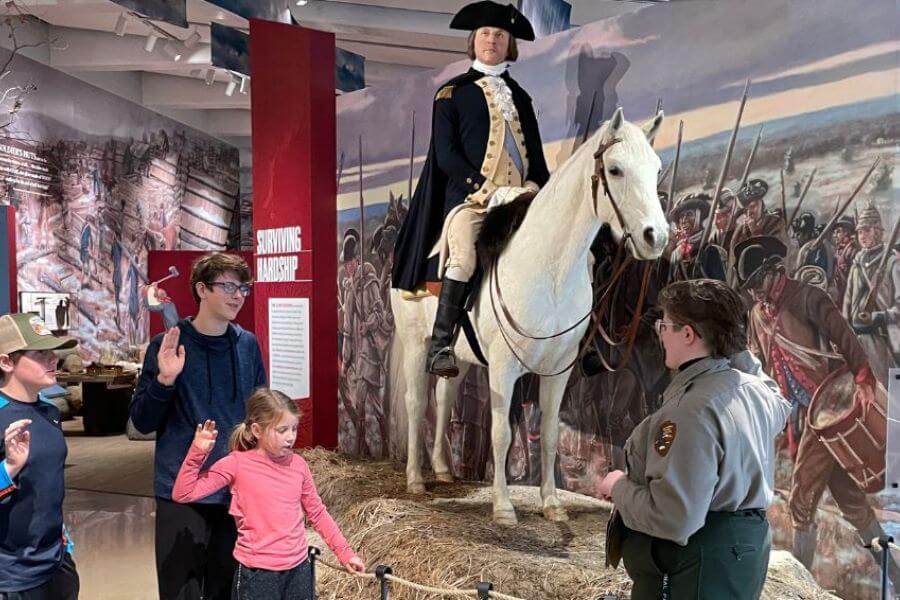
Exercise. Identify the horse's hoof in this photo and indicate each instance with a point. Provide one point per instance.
(505, 517)
(444, 477)
(557, 514)
(417, 488)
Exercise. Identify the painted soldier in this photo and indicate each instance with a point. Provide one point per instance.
(805, 232)
(485, 151)
(801, 337)
(361, 356)
(757, 220)
(873, 323)
(688, 217)
(723, 232)
(843, 238)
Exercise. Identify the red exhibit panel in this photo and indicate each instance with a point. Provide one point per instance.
(294, 219)
(8, 291)
(169, 280)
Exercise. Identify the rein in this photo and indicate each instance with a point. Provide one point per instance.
(601, 305)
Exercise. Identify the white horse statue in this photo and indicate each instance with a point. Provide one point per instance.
(544, 275)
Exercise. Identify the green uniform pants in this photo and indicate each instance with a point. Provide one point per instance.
(727, 558)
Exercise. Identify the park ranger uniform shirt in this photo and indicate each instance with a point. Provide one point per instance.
(709, 448)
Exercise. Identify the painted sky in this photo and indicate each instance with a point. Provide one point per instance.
(803, 56)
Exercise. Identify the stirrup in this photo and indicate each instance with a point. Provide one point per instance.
(447, 370)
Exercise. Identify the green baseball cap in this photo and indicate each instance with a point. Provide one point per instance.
(27, 331)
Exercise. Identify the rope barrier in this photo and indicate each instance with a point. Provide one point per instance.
(385, 575)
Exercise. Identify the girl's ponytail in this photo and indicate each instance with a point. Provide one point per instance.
(241, 439)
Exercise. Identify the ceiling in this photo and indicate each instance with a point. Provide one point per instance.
(395, 40)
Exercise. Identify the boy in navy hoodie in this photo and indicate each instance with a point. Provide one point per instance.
(35, 559)
(203, 368)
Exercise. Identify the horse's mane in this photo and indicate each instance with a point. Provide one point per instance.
(499, 226)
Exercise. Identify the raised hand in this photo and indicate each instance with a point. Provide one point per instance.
(205, 437)
(17, 442)
(170, 358)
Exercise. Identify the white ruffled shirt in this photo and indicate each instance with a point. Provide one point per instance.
(498, 86)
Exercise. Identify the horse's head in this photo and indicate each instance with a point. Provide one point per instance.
(626, 169)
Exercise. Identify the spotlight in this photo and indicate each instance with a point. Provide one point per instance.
(210, 76)
(232, 85)
(245, 84)
(301, 2)
(150, 44)
(173, 51)
(192, 40)
(121, 24)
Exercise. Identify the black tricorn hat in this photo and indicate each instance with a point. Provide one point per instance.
(491, 14)
(754, 189)
(757, 254)
(698, 201)
(847, 222)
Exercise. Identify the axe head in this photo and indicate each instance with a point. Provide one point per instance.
(173, 272)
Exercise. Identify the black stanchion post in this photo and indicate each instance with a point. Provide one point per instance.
(381, 572)
(484, 589)
(884, 542)
(313, 553)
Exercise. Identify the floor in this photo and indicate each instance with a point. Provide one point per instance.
(109, 511)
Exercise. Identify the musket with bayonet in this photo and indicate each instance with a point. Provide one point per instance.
(670, 201)
(362, 209)
(864, 316)
(843, 208)
(722, 175)
(412, 155)
(802, 197)
(746, 174)
(784, 216)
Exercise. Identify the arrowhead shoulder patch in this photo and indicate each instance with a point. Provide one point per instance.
(445, 93)
(665, 437)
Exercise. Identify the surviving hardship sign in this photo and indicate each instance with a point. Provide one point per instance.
(278, 254)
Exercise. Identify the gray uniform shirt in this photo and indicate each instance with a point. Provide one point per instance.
(710, 447)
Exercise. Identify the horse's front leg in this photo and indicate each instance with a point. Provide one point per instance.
(502, 385)
(551, 390)
(445, 395)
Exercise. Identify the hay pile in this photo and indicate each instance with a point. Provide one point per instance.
(447, 539)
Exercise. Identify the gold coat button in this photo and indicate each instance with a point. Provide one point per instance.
(477, 186)
(468, 180)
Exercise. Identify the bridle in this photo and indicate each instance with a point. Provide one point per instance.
(602, 296)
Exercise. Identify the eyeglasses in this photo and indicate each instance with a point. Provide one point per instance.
(659, 325)
(229, 287)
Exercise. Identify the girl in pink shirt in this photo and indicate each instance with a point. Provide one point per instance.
(272, 490)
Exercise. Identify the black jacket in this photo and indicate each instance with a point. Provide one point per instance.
(459, 134)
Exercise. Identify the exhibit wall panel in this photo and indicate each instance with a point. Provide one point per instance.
(98, 182)
(294, 220)
(7, 259)
(826, 105)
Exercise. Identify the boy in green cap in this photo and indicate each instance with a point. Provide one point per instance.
(35, 553)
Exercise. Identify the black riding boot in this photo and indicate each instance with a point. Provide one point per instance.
(441, 360)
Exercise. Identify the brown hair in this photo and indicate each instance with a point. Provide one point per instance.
(209, 266)
(714, 310)
(512, 52)
(265, 407)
